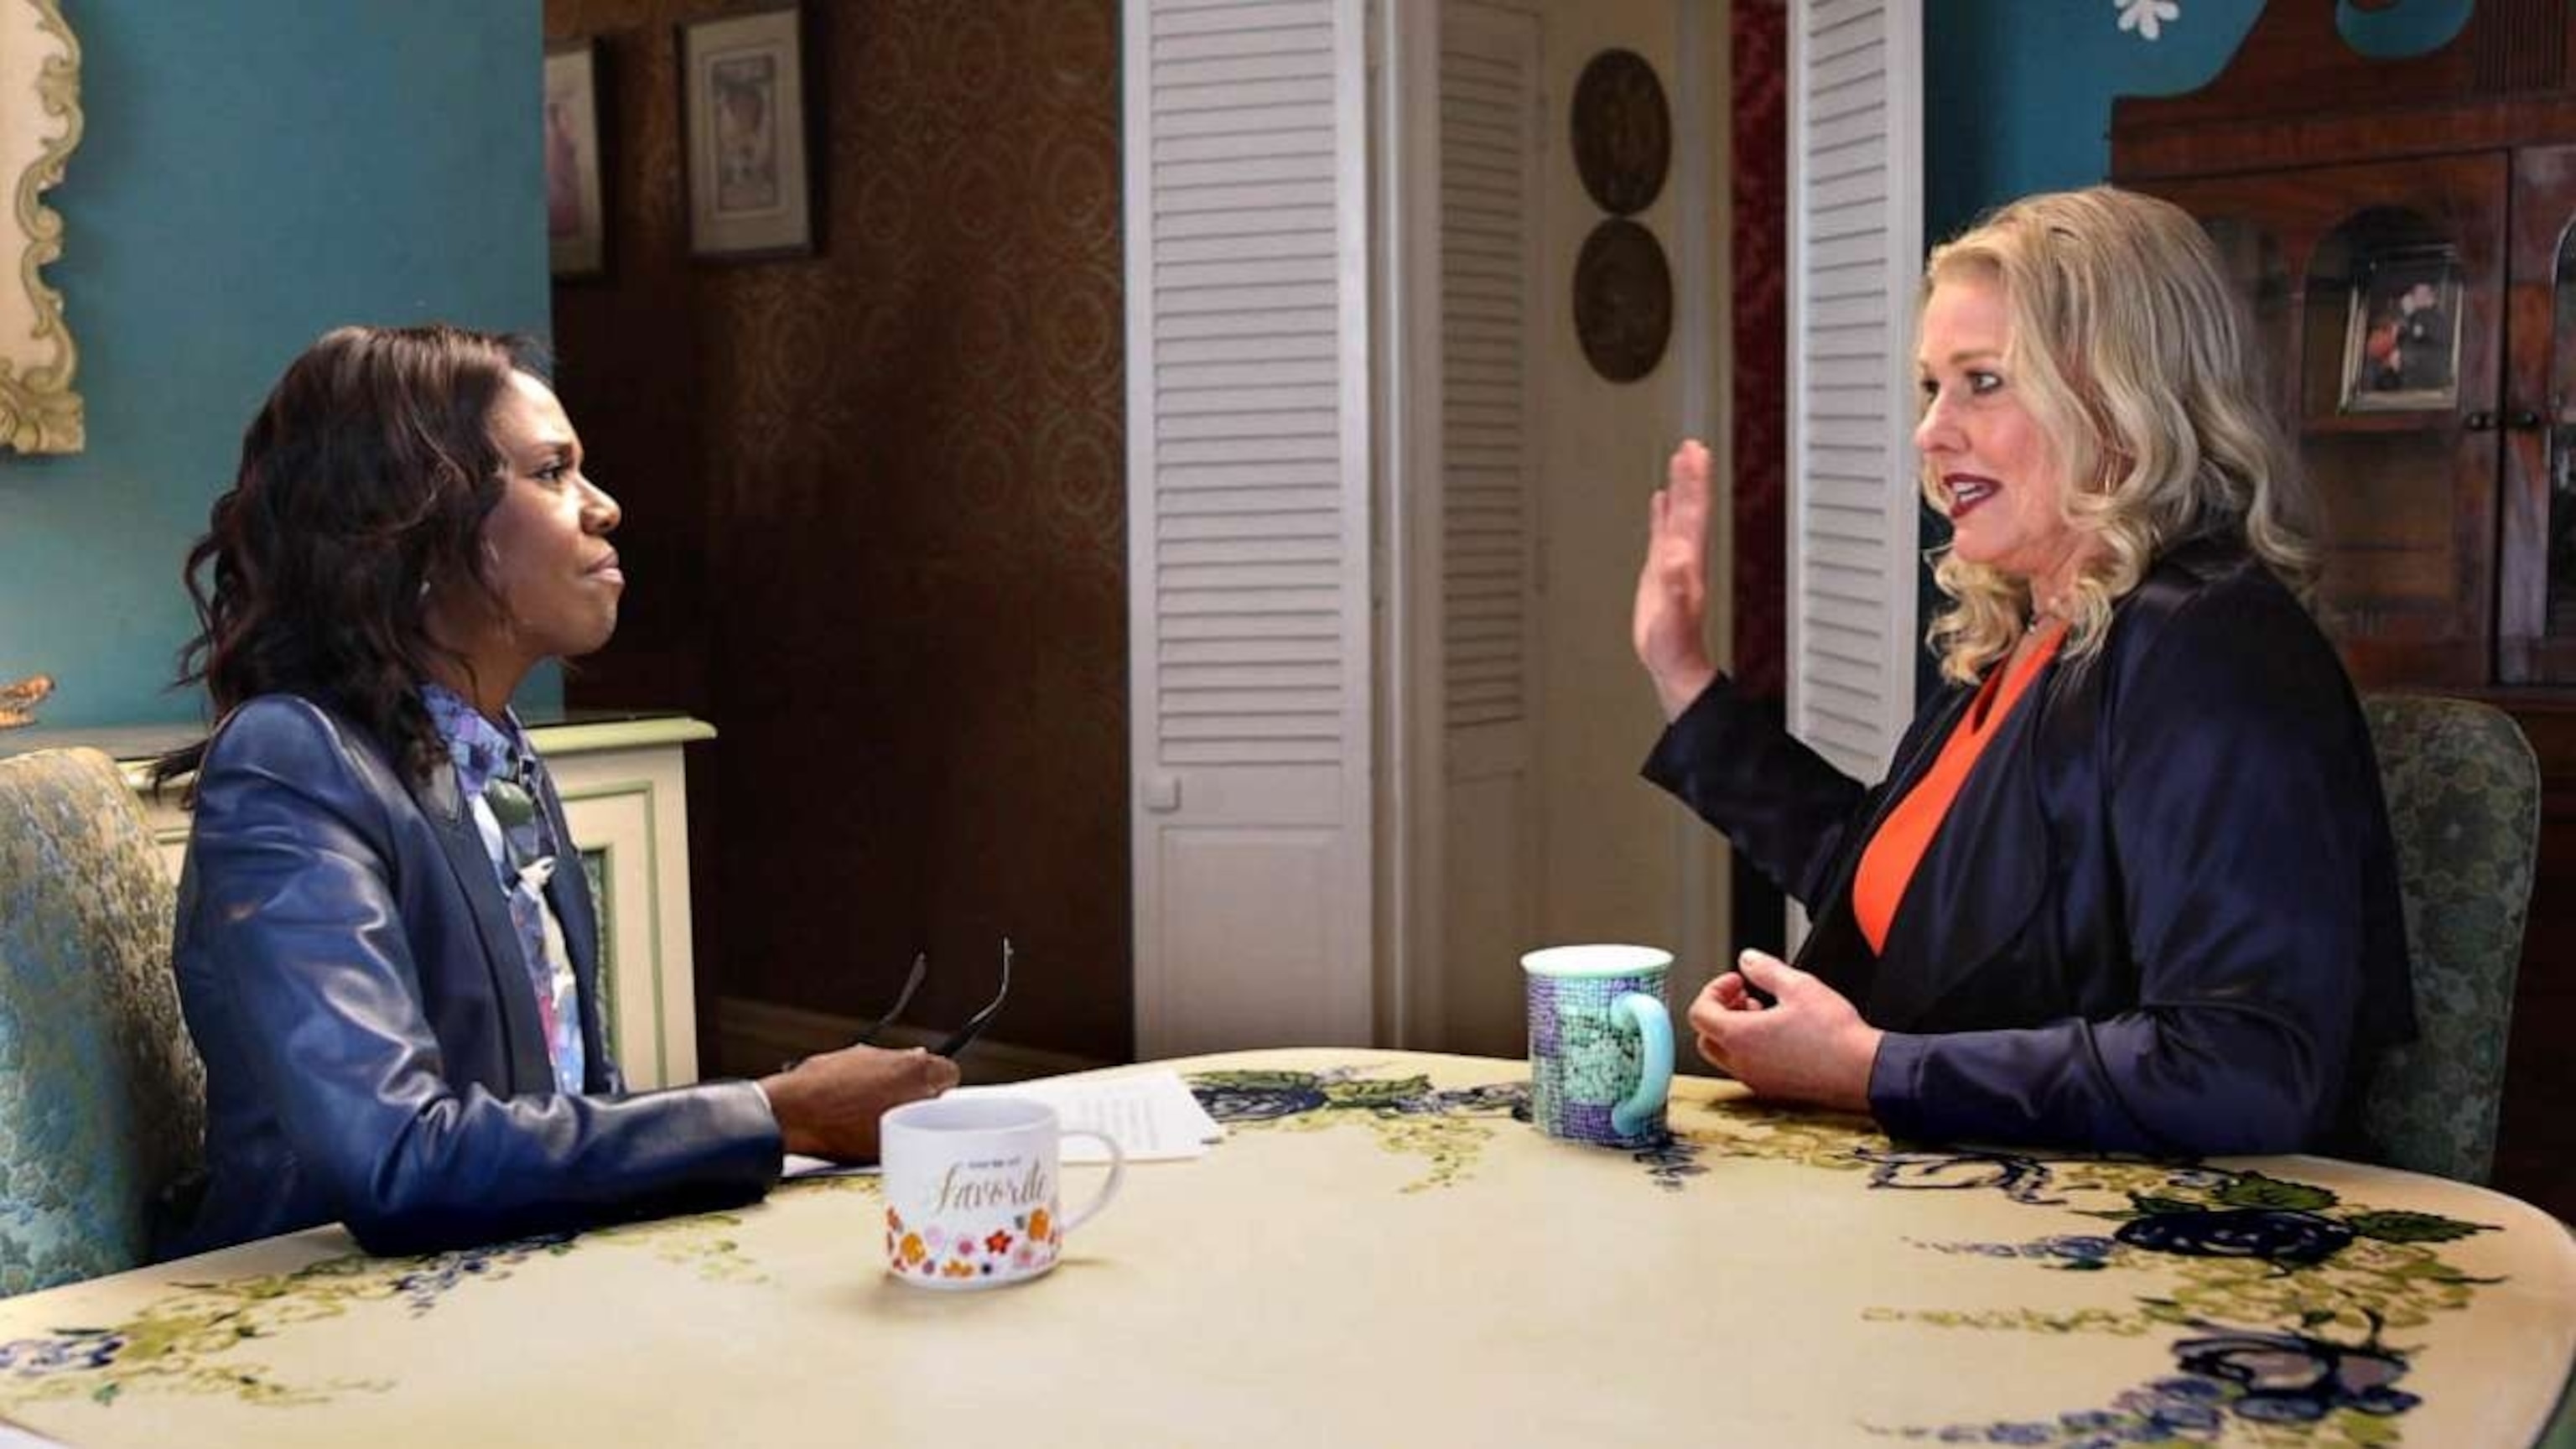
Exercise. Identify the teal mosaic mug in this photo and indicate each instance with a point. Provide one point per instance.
(1600, 1043)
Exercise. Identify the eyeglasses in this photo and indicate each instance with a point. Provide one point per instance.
(963, 1036)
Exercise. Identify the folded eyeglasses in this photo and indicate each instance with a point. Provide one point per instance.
(958, 1040)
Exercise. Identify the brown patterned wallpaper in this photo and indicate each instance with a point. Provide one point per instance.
(1759, 35)
(875, 512)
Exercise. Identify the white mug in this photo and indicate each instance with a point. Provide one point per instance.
(970, 1190)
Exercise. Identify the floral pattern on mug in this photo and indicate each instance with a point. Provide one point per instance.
(1031, 1241)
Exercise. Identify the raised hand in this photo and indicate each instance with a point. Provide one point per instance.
(1669, 628)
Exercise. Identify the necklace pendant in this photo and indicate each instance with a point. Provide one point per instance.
(510, 804)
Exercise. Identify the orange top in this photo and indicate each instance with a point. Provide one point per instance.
(1887, 866)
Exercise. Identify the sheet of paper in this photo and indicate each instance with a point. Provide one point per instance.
(799, 1165)
(1152, 1114)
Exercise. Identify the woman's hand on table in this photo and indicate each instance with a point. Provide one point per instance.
(1809, 1045)
(828, 1105)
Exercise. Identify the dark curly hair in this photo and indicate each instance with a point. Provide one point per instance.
(365, 476)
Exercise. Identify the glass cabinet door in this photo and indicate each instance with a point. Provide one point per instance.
(2251, 253)
(2380, 328)
(2537, 591)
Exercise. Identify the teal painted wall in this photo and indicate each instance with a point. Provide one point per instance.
(251, 174)
(2017, 93)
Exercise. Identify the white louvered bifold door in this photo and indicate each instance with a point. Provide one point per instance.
(1856, 256)
(1248, 549)
(1488, 223)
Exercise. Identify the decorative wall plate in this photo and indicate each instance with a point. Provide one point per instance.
(1623, 300)
(1623, 132)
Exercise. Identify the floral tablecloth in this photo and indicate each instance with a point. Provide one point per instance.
(1384, 1252)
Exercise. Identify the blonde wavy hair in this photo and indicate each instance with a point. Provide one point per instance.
(2137, 362)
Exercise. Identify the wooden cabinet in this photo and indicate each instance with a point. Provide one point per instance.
(2405, 230)
(625, 795)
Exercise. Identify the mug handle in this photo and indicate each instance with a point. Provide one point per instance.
(1654, 1072)
(1118, 1161)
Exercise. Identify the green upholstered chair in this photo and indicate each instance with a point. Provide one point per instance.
(2464, 801)
(102, 1098)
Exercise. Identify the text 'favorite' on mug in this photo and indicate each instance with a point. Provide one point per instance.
(971, 1190)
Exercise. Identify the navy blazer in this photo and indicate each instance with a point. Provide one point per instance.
(373, 1049)
(2162, 913)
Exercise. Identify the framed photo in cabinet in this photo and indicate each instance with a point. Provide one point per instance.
(2401, 348)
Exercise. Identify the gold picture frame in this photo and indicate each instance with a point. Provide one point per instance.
(743, 99)
(40, 123)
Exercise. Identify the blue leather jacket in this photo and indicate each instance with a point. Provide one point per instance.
(373, 1049)
(2162, 914)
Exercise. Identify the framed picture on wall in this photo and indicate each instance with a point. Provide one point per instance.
(742, 101)
(40, 124)
(2401, 347)
(576, 221)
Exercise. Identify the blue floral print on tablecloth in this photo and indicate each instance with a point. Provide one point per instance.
(2314, 1373)
(1269, 1096)
(73, 1348)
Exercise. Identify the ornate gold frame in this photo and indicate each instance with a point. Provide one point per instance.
(40, 123)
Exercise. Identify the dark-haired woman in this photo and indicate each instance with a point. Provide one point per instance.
(394, 990)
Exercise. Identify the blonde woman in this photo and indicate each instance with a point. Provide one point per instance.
(2129, 883)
